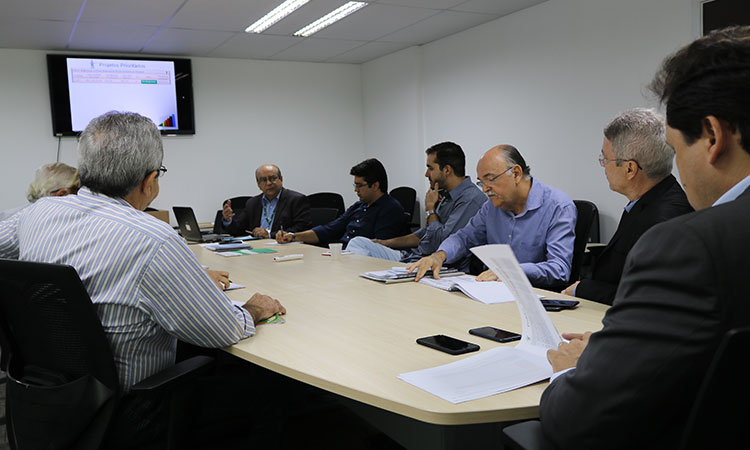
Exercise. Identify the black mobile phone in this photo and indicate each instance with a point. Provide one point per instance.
(495, 334)
(448, 344)
(551, 304)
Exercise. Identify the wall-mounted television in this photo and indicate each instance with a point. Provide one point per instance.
(85, 86)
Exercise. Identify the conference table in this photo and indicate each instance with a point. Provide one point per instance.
(353, 337)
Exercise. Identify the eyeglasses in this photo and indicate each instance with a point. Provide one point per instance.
(160, 171)
(359, 185)
(270, 179)
(603, 161)
(489, 180)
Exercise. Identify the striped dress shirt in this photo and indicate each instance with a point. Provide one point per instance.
(147, 287)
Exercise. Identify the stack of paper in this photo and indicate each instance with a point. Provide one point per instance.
(400, 274)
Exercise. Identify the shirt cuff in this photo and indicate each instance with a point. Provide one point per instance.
(225, 223)
(557, 374)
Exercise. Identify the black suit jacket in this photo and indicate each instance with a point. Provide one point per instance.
(662, 202)
(683, 287)
(292, 212)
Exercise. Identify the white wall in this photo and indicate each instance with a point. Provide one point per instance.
(305, 117)
(545, 79)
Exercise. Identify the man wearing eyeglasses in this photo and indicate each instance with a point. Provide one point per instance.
(536, 220)
(276, 208)
(375, 215)
(637, 163)
(148, 288)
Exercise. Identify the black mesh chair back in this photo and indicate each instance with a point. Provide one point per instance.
(238, 203)
(327, 200)
(62, 380)
(588, 221)
(408, 198)
(720, 414)
(321, 216)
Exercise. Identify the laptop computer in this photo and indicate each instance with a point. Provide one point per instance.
(189, 228)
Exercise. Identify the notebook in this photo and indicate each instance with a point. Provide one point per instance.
(189, 226)
(399, 274)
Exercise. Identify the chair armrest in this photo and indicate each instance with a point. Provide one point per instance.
(526, 436)
(171, 376)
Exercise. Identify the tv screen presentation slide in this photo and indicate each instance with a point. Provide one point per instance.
(100, 85)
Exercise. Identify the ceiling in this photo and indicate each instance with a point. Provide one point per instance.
(214, 28)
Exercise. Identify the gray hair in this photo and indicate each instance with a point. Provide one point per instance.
(513, 157)
(117, 150)
(639, 135)
(50, 178)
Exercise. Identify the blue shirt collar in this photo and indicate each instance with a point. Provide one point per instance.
(265, 200)
(630, 205)
(734, 192)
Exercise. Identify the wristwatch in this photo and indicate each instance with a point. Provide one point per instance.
(294, 236)
(429, 213)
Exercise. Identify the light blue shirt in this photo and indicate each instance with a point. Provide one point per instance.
(268, 211)
(734, 192)
(148, 288)
(541, 236)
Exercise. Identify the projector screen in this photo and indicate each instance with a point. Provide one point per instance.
(84, 87)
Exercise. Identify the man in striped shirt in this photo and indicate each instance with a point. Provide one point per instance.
(148, 287)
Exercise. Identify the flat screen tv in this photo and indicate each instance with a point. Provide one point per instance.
(84, 86)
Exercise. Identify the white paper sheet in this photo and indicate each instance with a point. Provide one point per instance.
(491, 372)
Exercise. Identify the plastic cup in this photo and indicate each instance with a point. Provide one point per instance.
(335, 250)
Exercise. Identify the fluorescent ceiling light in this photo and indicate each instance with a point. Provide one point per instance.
(331, 17)
(278, 13)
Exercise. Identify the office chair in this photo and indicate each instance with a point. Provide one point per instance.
(238, 203)
(407, 197)
(587, 230)
(62, 387)
(321, 216)
(720, 414)
(327, 200)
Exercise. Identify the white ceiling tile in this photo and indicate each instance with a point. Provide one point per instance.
(316, 50)
(254, 46)
(374, 21)
(111, 37)
(186, 42)
(438, 26)
(133, 12)
(500, 8)
(432, 4)
(42, 9)
(368, 52)
(47, 35)
(227, 15)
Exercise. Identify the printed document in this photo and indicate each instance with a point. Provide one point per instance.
(505, 368)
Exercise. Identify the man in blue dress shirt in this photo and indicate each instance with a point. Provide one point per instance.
(536, 220)
(375, 215)
(449, 204)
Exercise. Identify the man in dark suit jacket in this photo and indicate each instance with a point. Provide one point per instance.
(276, 208)
(637, 163)
(633, 384)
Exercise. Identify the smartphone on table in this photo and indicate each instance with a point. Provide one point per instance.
(495, 334)
(551, 304)
(448, 344)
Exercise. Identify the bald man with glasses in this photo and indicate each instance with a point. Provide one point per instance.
(276, 208)
(536, 220)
